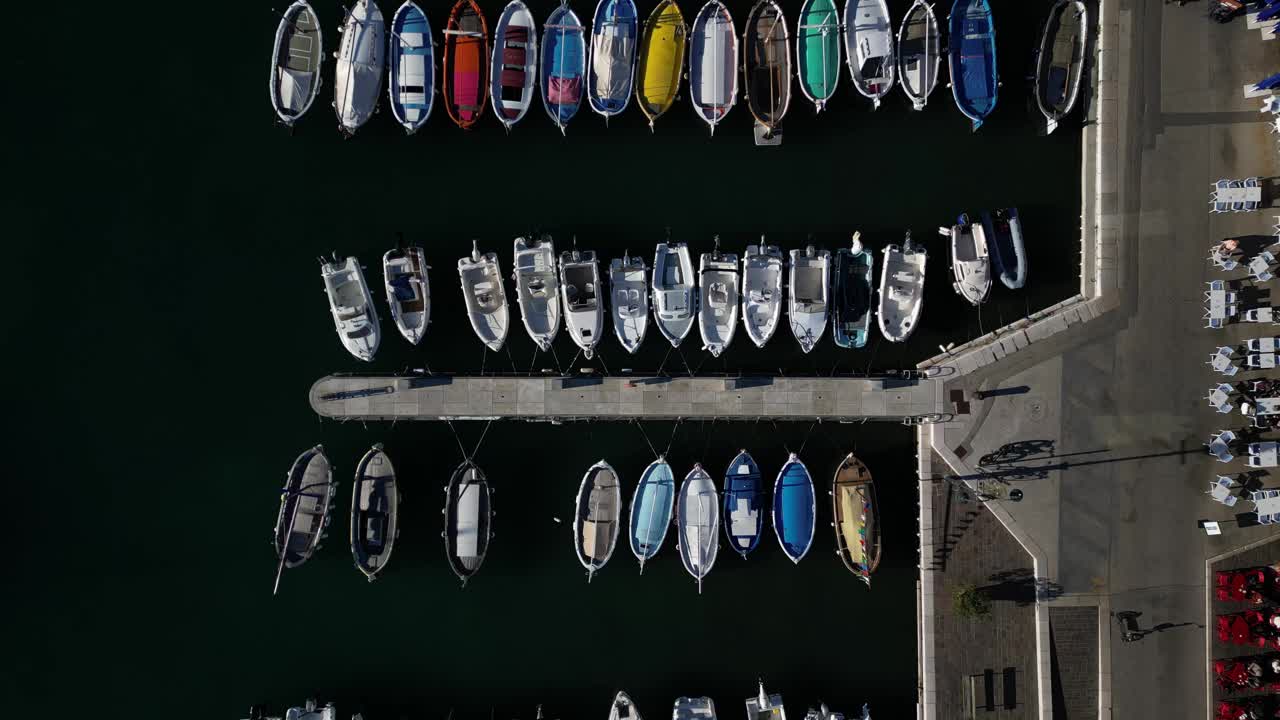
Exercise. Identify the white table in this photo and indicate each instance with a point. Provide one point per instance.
(1268, 455)
(1261, 345)
(1217, 304)
(1268, 506)
(1219, 397)
(1222, 359)
(1267, 406)
(1221, 490)
(1239, 194)
(1262, 361)
(1258, 265)
(1260, 315)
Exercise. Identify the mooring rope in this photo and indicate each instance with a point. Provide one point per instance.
(673, 436)
(605, 364)
(875, 348)
(556, 357)
(510, 357)
(706, 445)
(685, 361)
(806, 435)
(481, 440)
(483, 359)
(664, 360)
(646, 438)
(779, 433)
(458, 440)
(533, 360)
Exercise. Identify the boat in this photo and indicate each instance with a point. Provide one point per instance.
(412, 76)
(357, 75)
(514, 65)
(404, 274)
(713, 64)
(718, 299)
(851, 283)
(468, 513)
(694, 708)
(485, 297)
(1060, 64)
(972, 63)
(698, 520)
(743, 504)
(1004, 235)
(563, 66)
(538, 289)
(919, 53)
(761, 291)
(354, 315)
(374, 504)
(868, 46)
(901, 290)
(629, 281)
(810, 274)
(660, 62)
(595, 524)
(295, 63)
(764, 706)
(623, 708)
(970, 262)
(818, 51)
(304, 510)
(857, 525)
(464, 75)
(611, 71)
(766, 58)
(583, 308)
(794, 508)
(675, 290)
(312, 710)
(651, 509)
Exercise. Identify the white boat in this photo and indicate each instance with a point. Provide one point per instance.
(623, 708)
(295, 62)
(538, 289)
(970, 260)
(713, 64)
(718, 300)
(675, 290)
(404, 273)
(698, 521)
(919, 53)
(411, 63)
(583, 307)
(354, 316)
(694, 708)
(810, 282)
(485, 297)
(514, 65)
(765, 707)
(901, 290)
(761, 291)
(868, 45)
(597, 512)
(612, 65)
(357, 75)
(629, 284)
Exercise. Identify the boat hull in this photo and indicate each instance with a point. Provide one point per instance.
(296, 59)
(744, 511)
(809, 283)
(375, 501)
(408, 288)
(794, 509)
(1059, 67)
(468, 515)
(660, 62)
(357, 73)
(766, 64)
(919, 53)
(563, 67)
(818, 51)
(974, 80)
(514, 64)
(580, 291)
(901, 291)
(869, 48)
(355, 318)
(970, 261)
(717, 301)
(1009, 256)
(485, 298)
(537, 290)
(464, 75)
(761, 292)
(629, 285)
(615, 29)
(411, 78)
(304, 507)
(857, 522)
(596, 520)
(675, 292)
(713, 64)
(651, 509)
(851, 290)
(698, 520)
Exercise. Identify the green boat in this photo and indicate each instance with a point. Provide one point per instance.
(818, 51)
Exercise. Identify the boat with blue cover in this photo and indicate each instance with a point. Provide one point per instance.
(651, 508)
(564, 65)
(851, 273)
(743, 504)
(411, 80)
(1004, 233)
(614, 32)
(974, 80)
(794, 508)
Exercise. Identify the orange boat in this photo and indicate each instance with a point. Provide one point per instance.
(857, 525)
(466, 56)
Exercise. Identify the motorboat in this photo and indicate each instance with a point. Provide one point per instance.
(1060, 65)
(794, 508)
(713, 64)
(412, 76)
(851, 284)
(404, 274)
(295, 63)
(623, 708)
(919, 53)
(629, 284)
(583, 306)
(375, 501)
(468, 512)
(766, 58)
(596, 518)
(357, 74)
(651, 509)
(763, 706)
(660, 62)
(675, 290)
(311, 710)
(809, 281)
(972, 64)
(857, 525)
(1004, 233)
(485, 297)
(304, 510)
(718, 300)
(538, 289)
(464, 76)
(743, 504)
(698, 520)
(611, 70)
(970, 261)
(818, 51)
(563, 66)
(354, 315)
(901, 290)
(514, 65)
(868, 46)
(694, 708)
(761, 291)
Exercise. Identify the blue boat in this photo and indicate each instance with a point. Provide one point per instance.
(974, 81)
(651, 510)
(411, 84)
(614, 30)
(563, 66)
(743, 504)
(851, 285)
(794, 509)
(1004, 237)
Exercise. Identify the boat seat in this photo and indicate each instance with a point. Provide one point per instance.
(513, 57)
(517, 34)
(512, 78)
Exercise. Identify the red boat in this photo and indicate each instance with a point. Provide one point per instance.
(466, 56)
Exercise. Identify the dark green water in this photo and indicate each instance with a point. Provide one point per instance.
(178, 337)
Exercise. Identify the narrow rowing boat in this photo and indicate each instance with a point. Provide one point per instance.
(465, 72)
(698, 518)
(713, 64)
(375, 502)
(357, 74)
(766, 58)
(818, 51)
(295, 62)
(857, 524)
(611, 72)
(651, 508)
(919, 53)
(743, 504)
(304, 510)
(660, 61)
(412, 76)
(1060, 65)
(794, 508)
(974, 81)
(597, 511)
(468, 513)
(514, 64)
(564, 63)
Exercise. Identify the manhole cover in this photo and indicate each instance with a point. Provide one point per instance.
(1035, 408)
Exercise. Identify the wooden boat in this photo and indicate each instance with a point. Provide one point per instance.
(411, 80)
(468, 514)
(357, 74)
(974, 81)
(623, 708)
(718, 300)
(611, 72)
(563, 66)
(794, 508)
(651, 509)
(485, 297)
(1004, 235)
(713, 64)
(698, 518)
(857, 525)
(919, 53)
(851, 284)
(404, 273)
(629, 282)
(304, 510)
(295, 63)
(868, 44)
(464, 75)
(375, 501)
(514, 65)
(675, 291)
(818, 51)
(807, 306)
(743, 504)
(761, 291)
(1060, 64)
(596, 520)
(901, 290)
(538, 289)
(766, 58)
(354, 316)
(660, 62)
(970, 261)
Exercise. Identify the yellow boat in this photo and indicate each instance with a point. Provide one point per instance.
(661, 60)
(857, 525)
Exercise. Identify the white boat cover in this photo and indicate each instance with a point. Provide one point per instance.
(611, 51)
(358, 71)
